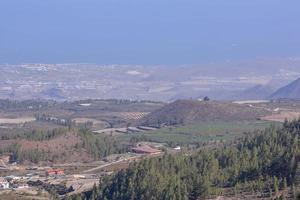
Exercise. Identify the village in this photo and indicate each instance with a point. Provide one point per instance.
(64, 181)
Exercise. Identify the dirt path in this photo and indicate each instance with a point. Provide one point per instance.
(109, 164)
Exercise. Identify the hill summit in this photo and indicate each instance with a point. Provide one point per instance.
(193, 111)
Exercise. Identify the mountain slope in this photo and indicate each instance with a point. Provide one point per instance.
(192, 111)
(290, 91)
(262, 166)
(254, 93)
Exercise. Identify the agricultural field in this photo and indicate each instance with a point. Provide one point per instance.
(202, 132)
(43, 132)
(132, 115)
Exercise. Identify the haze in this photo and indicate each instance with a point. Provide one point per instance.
(147, 31)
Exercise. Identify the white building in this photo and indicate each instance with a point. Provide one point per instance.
(178, 148)
(4, 184)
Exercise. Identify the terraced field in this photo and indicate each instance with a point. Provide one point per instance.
(132, 115)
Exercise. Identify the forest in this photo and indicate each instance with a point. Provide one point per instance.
(97, 146)
(263, 164)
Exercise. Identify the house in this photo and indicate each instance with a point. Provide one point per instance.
(78, 176)
(13, 178)
(178, 148)
(145, 149)
(23, 186)
(32, 176)
(4, 184)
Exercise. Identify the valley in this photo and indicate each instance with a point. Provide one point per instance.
(149, 100)
(91, 139)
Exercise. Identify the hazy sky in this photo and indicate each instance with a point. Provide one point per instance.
(147, 31)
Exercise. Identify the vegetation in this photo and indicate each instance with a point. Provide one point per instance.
(55, 120)
(183, 112)
(206, 98)
(100, 146)
(8, 105)
(200, 133)
(36, 135)
(97, 146)
(261, 164)
(33, 155)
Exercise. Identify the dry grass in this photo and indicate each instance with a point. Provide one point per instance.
(289, 115)
(84, 120)
(19, 120)
(191, 111)
(25, 194)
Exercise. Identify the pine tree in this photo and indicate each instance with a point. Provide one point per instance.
(297, 175)
(94, 193)
(284, 183)
(275, 184)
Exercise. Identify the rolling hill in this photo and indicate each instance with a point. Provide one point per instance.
(192, 111)
(290, 91)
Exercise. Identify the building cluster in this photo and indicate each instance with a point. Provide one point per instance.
(17, 182)
(20, 182)
(4, 184)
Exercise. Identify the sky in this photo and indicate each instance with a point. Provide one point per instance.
(172, 32)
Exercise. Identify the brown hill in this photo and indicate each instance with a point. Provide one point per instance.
(192, 111)
(61, 149)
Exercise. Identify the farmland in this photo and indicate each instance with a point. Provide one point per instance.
(202, 132)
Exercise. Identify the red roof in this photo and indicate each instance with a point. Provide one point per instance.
(55, 171)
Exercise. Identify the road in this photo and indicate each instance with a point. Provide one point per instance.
(109, 164)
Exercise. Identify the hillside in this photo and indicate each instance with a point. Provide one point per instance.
(290, 91)
(254, 93)
(59, 149)
(38, 131)
(262, 166)
(58, 146)
(192, 111)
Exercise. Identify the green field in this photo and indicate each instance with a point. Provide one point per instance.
(202, 132)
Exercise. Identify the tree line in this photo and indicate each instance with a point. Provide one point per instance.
(36, 135)
(98, 146)
(8, 104)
